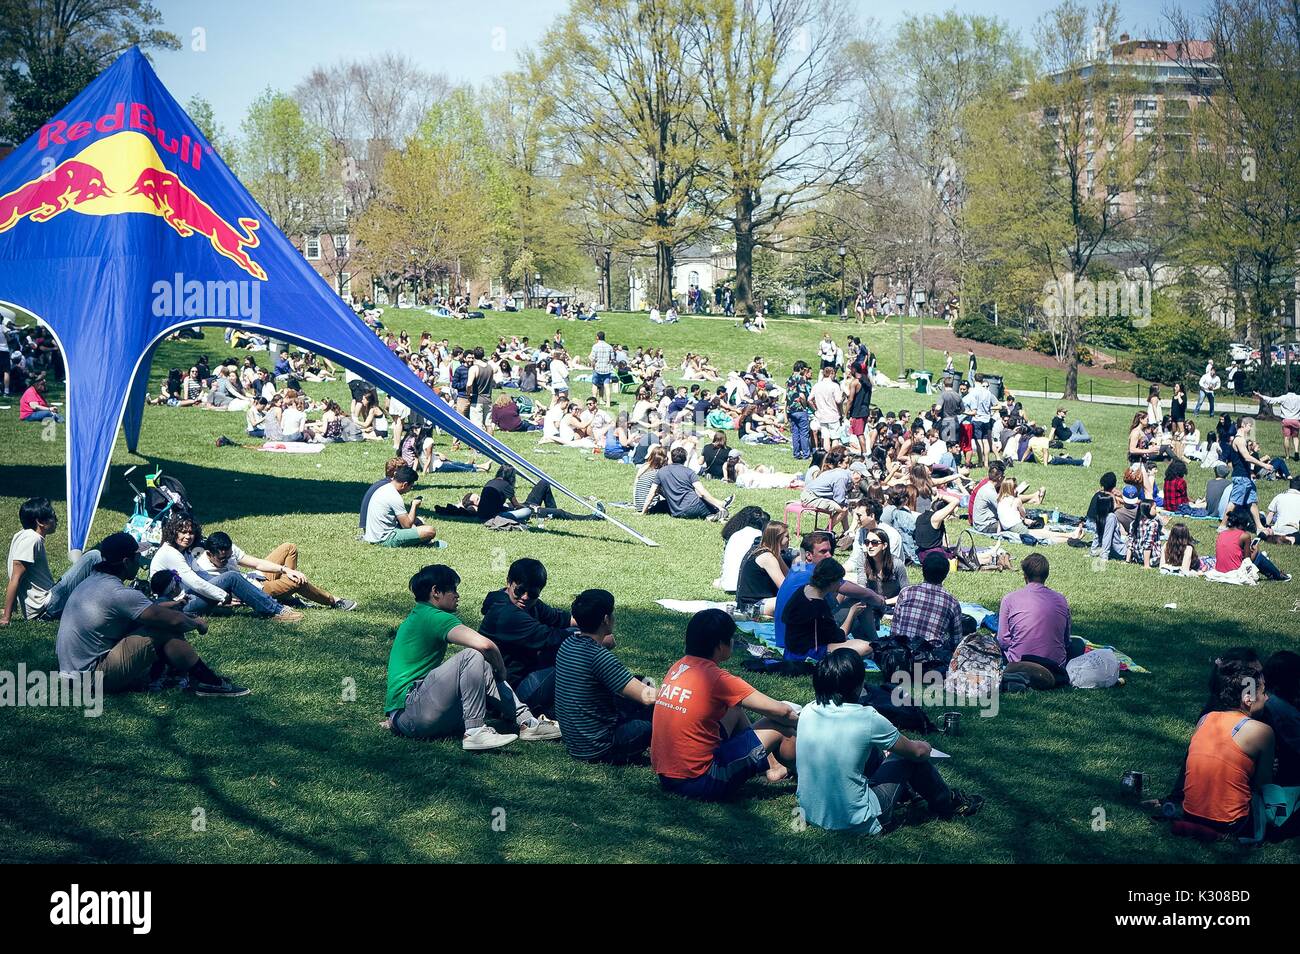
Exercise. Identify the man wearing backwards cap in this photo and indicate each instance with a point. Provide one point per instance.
(113, 628)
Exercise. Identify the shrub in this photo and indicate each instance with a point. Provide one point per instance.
(976, 327)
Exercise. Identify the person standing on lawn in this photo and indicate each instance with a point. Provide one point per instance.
(1288, 409)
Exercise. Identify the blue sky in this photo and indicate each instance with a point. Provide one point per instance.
(252, 45)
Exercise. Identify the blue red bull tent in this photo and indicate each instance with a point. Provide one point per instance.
(120, 225)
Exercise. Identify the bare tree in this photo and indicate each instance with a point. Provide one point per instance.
(773, 80)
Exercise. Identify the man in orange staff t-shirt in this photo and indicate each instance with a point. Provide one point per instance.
(702, 743)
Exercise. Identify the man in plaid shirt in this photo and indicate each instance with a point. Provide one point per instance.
(927, 618)
(798, 407)
(602, 369)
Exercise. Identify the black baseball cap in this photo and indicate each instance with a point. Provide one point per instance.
(116, 547)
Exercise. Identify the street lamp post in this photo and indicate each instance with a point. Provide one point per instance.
(844, 315)
(900, 302)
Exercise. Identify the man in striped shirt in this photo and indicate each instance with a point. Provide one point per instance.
(604, 711)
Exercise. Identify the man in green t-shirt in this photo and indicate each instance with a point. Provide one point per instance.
(428, 697)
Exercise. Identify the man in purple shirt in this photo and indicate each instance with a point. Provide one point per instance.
(1034, 622)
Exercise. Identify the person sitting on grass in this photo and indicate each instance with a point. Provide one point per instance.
(1230, 757)
(762, 570)
(390, 468)
(528, 632)
(32, 588)
(32, 405)
(846, 783)
(114, 629)
(388, 519)
(427, 697)
(1144, 538)
(1034, 626)
(702, 744)
(281, 575)
(816, 547)
(680, 487)
(1180, 554)
(181, 537)
(811, 630)
(604, 711)
(927, 618)
(1235, 546)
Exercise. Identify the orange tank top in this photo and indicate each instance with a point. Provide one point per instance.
(1218, 771)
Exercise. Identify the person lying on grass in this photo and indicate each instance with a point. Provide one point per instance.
(846, 781)
(528, 632)
(180, 549)
(32, 588)
(604, 711)
(429, 698)
(702, 744)
(281, 577)
(114, 629)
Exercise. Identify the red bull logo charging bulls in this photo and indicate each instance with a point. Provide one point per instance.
(124, 173)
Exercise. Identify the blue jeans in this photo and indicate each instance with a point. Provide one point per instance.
(61, 590)
(42, 416)
(630, 740)
(1200, 397)
(1267, 568)
(238, 586)
(800, 435)
(895, 775)
(1079, 434)
(454, 467)
(537, 690)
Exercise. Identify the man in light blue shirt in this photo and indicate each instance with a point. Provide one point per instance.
(845, 780)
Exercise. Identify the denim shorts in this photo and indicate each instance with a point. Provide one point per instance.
(735, 760)
(1243, 492)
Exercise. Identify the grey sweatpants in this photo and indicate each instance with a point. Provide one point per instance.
(455, 697)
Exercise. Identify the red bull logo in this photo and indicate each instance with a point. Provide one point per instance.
(124, 173)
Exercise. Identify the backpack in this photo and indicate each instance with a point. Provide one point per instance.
(976, 666)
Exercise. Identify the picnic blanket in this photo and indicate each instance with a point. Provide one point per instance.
(765, 633)
(985, 617)
(291, 447)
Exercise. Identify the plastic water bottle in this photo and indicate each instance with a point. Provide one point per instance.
(1056, 516)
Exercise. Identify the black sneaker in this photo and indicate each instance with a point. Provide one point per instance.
(345, 605)
(726, 504)
(966, 806)
(224, 688)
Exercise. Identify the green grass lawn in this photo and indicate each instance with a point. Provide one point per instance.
(298, 771)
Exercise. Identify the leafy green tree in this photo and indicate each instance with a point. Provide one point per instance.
(50, 50)
(282, 160)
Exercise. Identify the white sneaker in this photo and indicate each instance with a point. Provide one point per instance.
(483, 738)
(1087, 459)
(541, 730)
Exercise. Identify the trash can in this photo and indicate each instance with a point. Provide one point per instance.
(994, 383)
